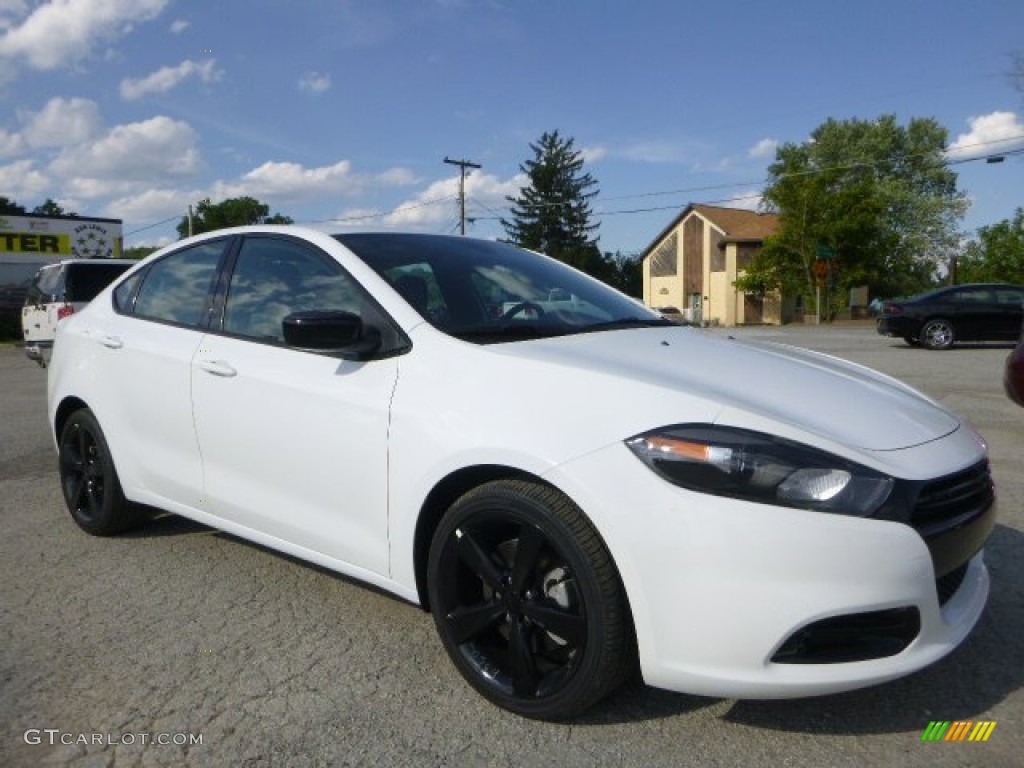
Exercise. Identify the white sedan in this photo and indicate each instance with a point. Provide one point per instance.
(574, 488)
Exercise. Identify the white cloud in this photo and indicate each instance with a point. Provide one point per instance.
(11, 144)
(749, 200)
(62, 123)
(764, 148)
(989, 135)
(166, 78)
(11, 10)
(179, 25)
(152, 205)
(436, 204)
(291, 181)
(314, 82)
(594, 154)
(22, 180)
(147, 151)
(61, 32)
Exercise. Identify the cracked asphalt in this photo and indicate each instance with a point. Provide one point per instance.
(177, 631)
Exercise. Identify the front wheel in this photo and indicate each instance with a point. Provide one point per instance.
(937, 334)
(89, 480)
(528, 602)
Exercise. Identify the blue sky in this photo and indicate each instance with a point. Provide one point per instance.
(344, 110)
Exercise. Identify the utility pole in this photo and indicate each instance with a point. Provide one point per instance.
(463, 165)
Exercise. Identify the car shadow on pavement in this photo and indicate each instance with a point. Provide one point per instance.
(159, 523)
(971, 681)
(965, 685)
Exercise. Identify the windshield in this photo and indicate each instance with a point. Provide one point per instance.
(489, 292)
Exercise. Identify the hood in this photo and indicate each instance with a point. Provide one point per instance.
(826, 396)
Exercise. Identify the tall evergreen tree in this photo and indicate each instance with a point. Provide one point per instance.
(552, 213)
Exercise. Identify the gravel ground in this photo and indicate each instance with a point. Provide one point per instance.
(177, 632)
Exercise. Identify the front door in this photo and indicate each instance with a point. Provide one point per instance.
(293, 443)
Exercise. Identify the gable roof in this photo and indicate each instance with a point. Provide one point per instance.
(738, 224)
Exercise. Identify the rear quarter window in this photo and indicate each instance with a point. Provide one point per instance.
(84, 281)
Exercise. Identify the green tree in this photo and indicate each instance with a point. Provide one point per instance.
(552, 213)
(139, 251)
(625, 272)
(997, 255)
(11, 208)
(51, 208)
(233, 212)
(875, 193)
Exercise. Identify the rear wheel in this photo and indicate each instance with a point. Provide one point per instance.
(937, 334)
(89, 480)
(528, 602)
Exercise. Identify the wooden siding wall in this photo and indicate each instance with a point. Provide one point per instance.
(744, 254)
(693, 256)
(717, 251)
(664, 259)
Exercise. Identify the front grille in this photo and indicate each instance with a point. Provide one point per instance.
(947, 585)
(952, 499)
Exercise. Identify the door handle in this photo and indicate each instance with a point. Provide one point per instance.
(217, 368)
(113, 342)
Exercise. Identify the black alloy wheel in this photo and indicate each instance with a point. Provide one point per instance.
(88, 479)
(528, 602)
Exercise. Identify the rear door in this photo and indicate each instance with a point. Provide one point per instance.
(144, 350)
(975, 314)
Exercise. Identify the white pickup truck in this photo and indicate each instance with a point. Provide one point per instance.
(59, 290)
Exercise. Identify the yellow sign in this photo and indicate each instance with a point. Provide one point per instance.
(34, 242)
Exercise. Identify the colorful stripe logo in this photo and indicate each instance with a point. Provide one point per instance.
(958, 730)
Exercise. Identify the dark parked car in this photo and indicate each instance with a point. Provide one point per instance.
(1013, 378)
(940, 318)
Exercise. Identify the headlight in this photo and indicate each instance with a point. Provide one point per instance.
(726, 461)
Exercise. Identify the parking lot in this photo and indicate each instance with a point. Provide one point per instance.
(181, 634)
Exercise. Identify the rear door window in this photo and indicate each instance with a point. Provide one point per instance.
(177, 288)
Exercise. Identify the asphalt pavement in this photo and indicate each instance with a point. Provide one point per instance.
(177, 645)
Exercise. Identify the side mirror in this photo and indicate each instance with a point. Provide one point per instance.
(334, 331)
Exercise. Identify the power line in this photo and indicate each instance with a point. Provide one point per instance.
(681, 190)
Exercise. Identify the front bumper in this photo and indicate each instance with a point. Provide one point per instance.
(720, 587)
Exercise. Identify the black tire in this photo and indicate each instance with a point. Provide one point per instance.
(528, 602)
(938, 334)
(89, 480)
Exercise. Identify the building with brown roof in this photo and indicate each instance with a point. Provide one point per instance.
(693, 264)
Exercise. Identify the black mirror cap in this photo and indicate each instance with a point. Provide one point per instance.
(332, 332)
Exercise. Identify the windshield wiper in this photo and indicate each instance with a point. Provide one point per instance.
(626, 322)
(507, 332)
